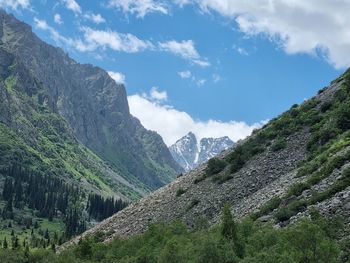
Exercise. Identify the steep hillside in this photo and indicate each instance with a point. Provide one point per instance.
(94, 106)
(296, 162)
(189, 153)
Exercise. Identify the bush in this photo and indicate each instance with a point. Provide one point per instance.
(237, 159)
(193, 203)
(199, 179)
(343, 117)
(180, 192)
(297, 189)
(326, 106)
(215, 166)
(268, 207)
(222, 178)
(286, 212)
(279, 144)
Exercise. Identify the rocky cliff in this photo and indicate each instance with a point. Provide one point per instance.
(297, 162)
(189, 153)
(93, 105)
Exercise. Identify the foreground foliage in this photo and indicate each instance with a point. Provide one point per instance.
(310, 240)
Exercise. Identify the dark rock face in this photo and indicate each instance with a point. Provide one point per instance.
(94, 106)
(189, 154)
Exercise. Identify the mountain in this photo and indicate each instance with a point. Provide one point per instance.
(292, 166)
(92, 104)
(188, 153)
(68, 143)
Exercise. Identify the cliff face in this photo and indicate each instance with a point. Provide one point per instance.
(94, 106)
(297, 162)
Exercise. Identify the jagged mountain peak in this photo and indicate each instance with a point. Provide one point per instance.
(189, 152)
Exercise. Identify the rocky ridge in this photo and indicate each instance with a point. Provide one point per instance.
(189, 153)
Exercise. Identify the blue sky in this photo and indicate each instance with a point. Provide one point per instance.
(214, 67)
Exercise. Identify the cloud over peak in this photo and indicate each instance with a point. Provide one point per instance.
(172, 124)
(118, 77)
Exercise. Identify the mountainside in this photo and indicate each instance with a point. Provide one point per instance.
(70, 152)
(297, 162)
(189, 153)
(94, 106)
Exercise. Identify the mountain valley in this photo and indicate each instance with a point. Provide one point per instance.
(83, 181)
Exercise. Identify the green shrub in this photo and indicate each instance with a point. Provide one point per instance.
(215, 166)
(279, 144)
(222, 178)
(268, 207)
(297, 188)
(286, 212)
(180, 192)
(326, 106)
(200, 179)
(192, 204)
(343, 117)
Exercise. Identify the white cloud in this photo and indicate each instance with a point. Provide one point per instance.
(182, 3)
(200, 82)
(73, 5)
(94, 39)
(316, 27)
(15, 4)
(139, 7)
(157, 95)
(185, 74)
(117, 76)
(58, 19)
(42, 24)
(185, 49)
(172, 124)
(241, 50)
(96, 18)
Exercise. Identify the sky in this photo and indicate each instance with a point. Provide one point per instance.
(213, 67)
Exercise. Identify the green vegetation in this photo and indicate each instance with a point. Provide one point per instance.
(46, 175)
(279, 144)
(215, 166)
(313, 240)
(41, 210)
(200, 178)
(267, 208)
(222, 178)
(10, 83)
(192, 204)
(329, 124)
(180, 192)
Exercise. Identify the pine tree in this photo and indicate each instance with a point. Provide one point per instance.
(4, 244)
(229, 229)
